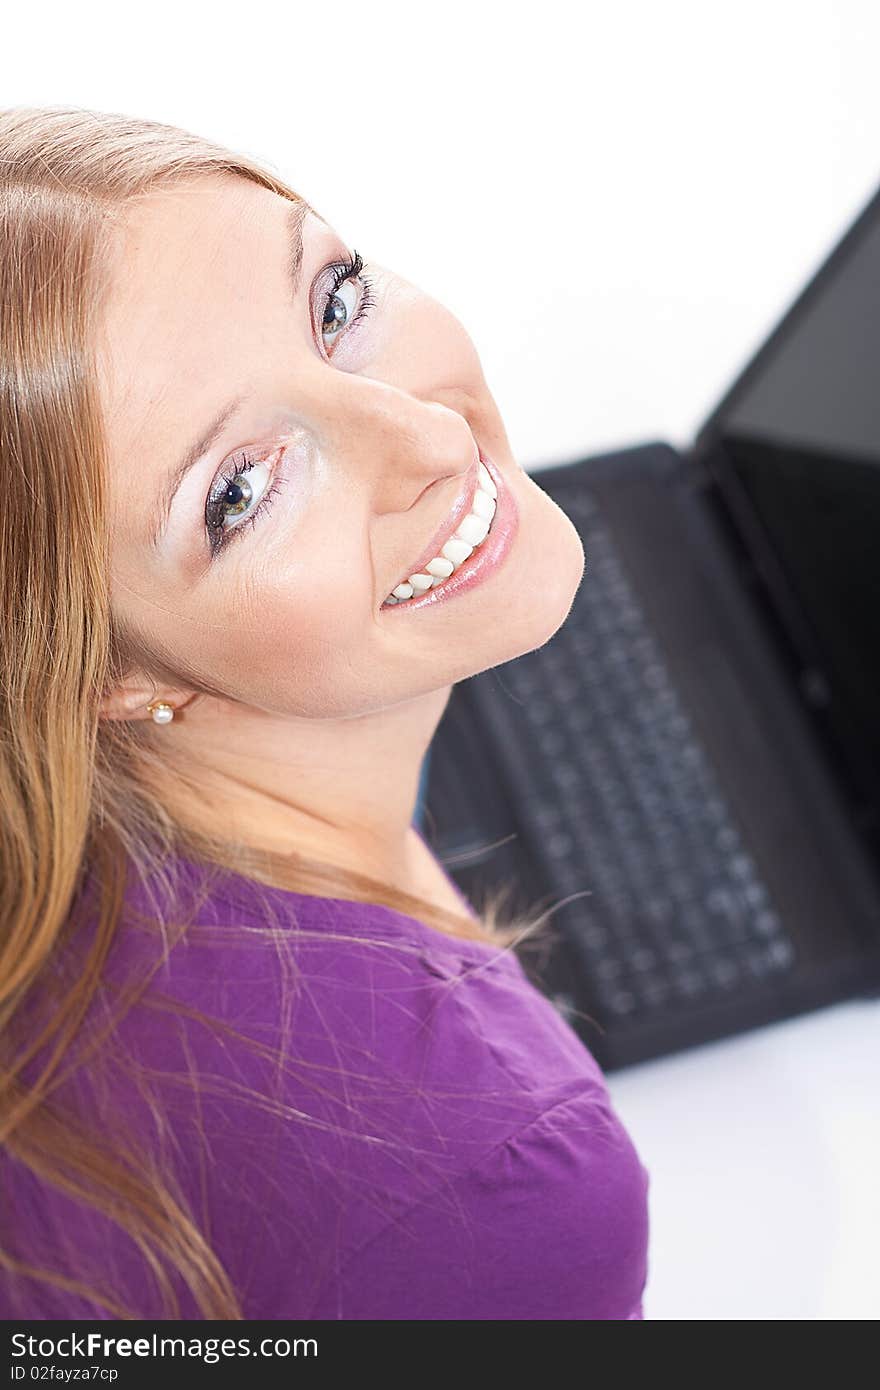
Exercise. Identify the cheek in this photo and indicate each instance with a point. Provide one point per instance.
(300, 642)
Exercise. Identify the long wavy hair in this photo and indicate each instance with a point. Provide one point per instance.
(83, 800)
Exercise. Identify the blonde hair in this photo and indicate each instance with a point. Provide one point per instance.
(81, 798)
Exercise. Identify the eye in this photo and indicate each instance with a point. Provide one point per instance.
(244, 481)
(342, 306)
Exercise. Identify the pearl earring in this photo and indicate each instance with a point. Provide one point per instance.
(162, 713)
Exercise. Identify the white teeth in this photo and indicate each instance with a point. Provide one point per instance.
(457, 551)
(441, 568)
(471, 532)
(482, 505)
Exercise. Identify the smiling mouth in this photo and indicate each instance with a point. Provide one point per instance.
(468, 536)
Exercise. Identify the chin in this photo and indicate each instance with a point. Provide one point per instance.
(556, 567)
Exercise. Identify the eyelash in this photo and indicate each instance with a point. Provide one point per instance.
(221, 536)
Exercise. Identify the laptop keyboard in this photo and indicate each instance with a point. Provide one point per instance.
(616, 796)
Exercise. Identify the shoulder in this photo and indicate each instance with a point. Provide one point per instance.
(366, 1086)
(440, 1034)
(552, 1223)
(367, 986)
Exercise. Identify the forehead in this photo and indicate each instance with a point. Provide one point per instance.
(176, 252)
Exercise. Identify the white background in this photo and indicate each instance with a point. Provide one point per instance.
(618, 201)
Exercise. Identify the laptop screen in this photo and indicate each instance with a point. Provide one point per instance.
(795, 449)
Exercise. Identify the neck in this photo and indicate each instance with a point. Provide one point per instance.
(341, 791)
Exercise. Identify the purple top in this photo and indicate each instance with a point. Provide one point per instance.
(440, 1145)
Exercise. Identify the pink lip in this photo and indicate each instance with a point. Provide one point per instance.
(485, 559)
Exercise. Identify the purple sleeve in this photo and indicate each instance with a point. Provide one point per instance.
(438, 1143)
(552, 1224)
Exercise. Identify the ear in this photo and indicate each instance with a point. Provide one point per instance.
(130, 701)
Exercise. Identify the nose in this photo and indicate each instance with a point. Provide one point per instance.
(395, 446)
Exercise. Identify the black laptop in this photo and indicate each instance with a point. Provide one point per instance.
(688, 772)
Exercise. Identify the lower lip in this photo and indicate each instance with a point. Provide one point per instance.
(487, 557)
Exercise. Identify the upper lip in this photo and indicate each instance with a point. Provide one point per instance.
(460, 508)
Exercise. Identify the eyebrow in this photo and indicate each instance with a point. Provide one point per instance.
(293, 221)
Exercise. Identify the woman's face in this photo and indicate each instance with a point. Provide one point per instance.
(349, 425)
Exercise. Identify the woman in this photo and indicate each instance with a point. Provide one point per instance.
(260, 514)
